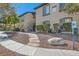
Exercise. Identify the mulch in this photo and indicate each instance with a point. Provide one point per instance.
(6, 52)
(22, 38)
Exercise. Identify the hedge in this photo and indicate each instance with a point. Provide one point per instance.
(39, 28)
(43, 27)
(67, 27)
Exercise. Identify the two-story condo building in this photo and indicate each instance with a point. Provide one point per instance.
(52, 14)
(27, 22)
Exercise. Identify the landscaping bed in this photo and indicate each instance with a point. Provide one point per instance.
(23, 38)
(6, 52)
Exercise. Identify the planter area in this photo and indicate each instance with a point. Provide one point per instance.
(40, 41)
(43, 38)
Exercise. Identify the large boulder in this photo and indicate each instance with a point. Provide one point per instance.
(56, 41)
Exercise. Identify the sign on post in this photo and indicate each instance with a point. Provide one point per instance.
(74, 32)
(74, 24)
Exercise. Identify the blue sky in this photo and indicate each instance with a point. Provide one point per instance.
(25, 7)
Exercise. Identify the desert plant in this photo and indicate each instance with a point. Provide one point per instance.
(45, 27)
(42, 28)
(67, 27)
(39, 28)
(56, 27)
(72, 9)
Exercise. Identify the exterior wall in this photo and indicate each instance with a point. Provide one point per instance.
(53, 17)
(27, 21)
(21, 23)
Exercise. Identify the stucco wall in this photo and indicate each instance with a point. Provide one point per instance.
(54, 17)
(28, 21)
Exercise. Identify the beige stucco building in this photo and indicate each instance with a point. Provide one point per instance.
(51, 13)
(27, 21)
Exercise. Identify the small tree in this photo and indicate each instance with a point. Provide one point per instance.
(7, 11)
(72, 9)
(45, 28)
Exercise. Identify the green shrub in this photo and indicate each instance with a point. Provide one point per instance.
(39, 28)
(42, 28)
(56, 27)
(67, 27)
(45, 27)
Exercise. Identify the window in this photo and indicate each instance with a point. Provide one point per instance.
(61, 5)
(66, 20)
(54, 9)
(46, 10)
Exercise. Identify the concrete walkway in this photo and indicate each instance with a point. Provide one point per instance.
(35, 51)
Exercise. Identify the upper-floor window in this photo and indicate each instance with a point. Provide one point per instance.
(54, 9)
(61, 6)
(46, 10)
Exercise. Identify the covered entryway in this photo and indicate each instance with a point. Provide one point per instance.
(66, 24)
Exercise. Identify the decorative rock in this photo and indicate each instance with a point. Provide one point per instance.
(56, 41)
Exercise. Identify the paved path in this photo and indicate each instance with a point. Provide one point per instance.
(34, 51)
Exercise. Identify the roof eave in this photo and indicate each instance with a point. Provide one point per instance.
(40, 5)
(26, 13)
